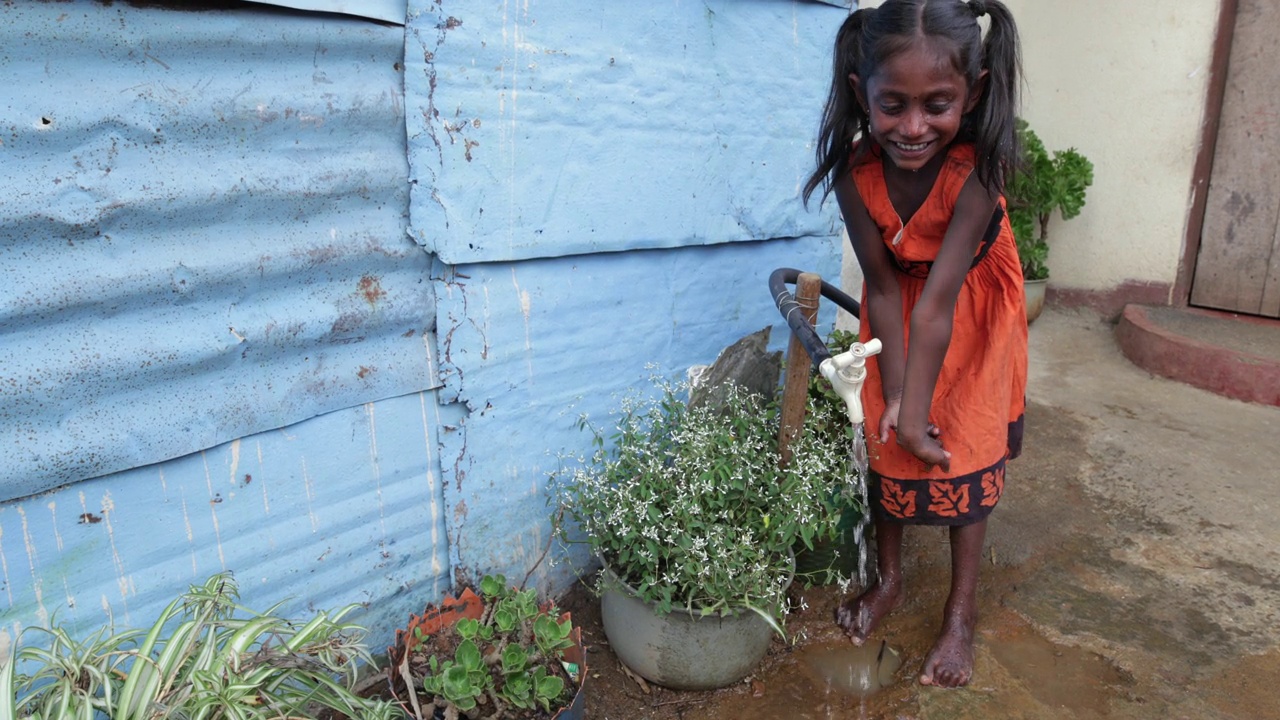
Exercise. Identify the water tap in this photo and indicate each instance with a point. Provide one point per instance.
(847, 372)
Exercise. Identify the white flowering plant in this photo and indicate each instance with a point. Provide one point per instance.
(688, 505)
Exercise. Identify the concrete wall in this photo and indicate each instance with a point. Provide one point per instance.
(1124, 83)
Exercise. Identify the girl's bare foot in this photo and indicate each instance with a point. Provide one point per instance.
(950, 663)
(859, 616)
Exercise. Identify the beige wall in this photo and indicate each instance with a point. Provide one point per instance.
(1124, 82)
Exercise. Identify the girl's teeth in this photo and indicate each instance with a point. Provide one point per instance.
(912, 148)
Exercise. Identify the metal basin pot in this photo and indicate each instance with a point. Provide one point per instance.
(681, 650)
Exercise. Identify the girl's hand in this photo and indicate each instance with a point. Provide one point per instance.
(927, 448)
(889, 420)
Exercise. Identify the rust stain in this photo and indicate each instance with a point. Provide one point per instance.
(248, 478)
(89, 519)
(345, 325)
(372, 290)
(364, 372)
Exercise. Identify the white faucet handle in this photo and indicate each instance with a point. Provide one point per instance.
(872, 346)
(847, 372)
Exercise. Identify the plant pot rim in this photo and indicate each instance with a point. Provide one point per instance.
(695, 613)
(446, 612)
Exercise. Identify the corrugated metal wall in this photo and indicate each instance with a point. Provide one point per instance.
(203, 232)
(612, 184)
(255, 327)
(203, 250)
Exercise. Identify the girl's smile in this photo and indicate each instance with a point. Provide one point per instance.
(916, 101)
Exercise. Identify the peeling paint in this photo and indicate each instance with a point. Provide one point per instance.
(213, 510)
(53, 523)
(377, 471)
(311, 497)
(235, 460)
(262, 486)
(191, 538)
(122, 578)
(4, 568)
(66, 589)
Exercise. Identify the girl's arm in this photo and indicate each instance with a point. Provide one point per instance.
(932, 317)
(884, 295)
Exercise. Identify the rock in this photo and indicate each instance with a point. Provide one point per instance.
(746, 363)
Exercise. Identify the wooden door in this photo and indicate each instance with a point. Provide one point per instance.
(1238, 266)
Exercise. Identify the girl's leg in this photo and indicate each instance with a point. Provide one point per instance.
(859, 616)
(950, 663)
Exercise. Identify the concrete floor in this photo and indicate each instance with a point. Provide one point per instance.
(1133, 566)
(1132, 569)
(1140, 526)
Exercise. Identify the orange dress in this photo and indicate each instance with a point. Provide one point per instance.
(980, 395)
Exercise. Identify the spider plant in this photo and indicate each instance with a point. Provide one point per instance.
(205, 658)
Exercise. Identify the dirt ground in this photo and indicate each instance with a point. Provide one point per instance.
(1131, 570)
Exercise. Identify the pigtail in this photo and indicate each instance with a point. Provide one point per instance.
(996, 138)
(843, 119)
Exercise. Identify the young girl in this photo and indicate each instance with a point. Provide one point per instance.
(917, 143)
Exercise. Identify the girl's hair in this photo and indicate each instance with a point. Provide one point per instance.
(871, 36)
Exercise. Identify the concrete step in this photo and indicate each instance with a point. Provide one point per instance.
(1233, 355)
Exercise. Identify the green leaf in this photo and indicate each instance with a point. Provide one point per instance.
(1043, 185)
(491, 586)
(8, 699)
(549, 690)
(468, 656)
(457, 685)
(518, 690)
(514, 659)
(467, 628)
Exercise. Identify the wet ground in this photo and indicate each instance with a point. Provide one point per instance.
(1132, 570)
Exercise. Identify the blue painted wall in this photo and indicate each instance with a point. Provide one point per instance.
(216, 337)
(610, 185)
(317, 299)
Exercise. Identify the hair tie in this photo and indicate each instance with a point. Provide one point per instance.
(978, 8)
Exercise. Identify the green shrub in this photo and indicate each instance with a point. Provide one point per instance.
(1044, 184)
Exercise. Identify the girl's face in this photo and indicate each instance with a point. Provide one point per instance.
(915, 101)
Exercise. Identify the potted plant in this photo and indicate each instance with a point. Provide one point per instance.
(1042, 185)
(205, 658)
(497, 656)
(695, 524)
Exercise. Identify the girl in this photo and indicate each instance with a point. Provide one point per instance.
(917, 142)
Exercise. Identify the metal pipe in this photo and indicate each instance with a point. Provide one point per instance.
(794, 314)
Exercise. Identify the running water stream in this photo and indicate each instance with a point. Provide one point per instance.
(856, 482)
(853, 670)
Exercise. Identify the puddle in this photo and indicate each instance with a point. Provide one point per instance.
(856, 671)
(827, 681)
